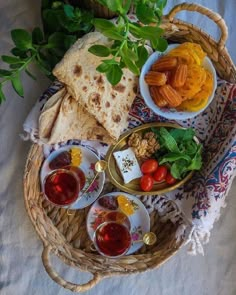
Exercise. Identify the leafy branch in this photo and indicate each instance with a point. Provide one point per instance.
(63, 24)
(129, 38)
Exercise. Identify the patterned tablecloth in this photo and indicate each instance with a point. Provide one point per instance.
(200, 200)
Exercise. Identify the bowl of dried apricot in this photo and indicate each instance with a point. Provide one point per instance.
(180, 83)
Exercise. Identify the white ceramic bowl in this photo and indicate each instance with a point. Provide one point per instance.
(171, 113)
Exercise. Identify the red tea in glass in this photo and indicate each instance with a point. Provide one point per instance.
(80, 174)
(61, 187)
(119, 217)
(112, 239)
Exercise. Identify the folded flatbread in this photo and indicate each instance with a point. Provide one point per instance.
(63, 118)
(108, 104)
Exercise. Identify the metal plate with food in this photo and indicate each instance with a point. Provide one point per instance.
(154, 158)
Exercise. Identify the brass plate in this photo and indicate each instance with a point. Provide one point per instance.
(133, 186)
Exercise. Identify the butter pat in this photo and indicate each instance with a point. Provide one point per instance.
(128, 165)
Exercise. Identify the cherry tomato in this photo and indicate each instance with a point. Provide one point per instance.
(149, 166)
(160, 174)
(146, 183)
(170, 179)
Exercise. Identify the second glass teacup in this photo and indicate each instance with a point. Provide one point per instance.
(112, 238)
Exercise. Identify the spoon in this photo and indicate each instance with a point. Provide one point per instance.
(148, 239)
(100, 166)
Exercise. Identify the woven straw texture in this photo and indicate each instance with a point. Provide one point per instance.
(65, 235)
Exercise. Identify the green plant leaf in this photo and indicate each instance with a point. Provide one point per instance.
(149, 32)
(11, 59)
(114, 5)
(56, 40)
(17, 85)
(16, 66)
(114, 74)
(145, 13)
(159, 44)
(181, 135)
(2, 96)
(37, 36)
(168, 140)
(113, 34)
(99, 50)
(103, 68)
(130, 53)
(126, 6)
(103, 24)
(142, 56)
(17, 52)
(178, 168)
(22, 39)
(130, 65)
(69, 10)
(5, 73)
(172, 157)
(69, 40)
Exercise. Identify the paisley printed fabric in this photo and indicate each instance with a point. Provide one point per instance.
(201, 199)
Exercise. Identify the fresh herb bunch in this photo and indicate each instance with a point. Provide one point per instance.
(128, 48)
(179, 150)
(62, 25)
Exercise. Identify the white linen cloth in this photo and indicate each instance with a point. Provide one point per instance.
(21, 270)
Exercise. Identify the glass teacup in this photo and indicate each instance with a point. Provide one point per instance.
(112, 238)
(61, 187)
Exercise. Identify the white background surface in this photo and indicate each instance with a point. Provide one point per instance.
(21, 270)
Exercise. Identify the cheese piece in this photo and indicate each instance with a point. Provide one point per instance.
(128, 165)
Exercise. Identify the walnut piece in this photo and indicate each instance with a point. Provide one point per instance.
(144, 147)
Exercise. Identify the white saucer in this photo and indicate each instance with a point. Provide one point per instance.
(140, 220)
(87, 166)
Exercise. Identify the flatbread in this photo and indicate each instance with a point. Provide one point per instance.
(108, 104)
(49, 113)
(72, 122)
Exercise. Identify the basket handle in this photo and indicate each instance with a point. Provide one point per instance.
(65, 284)
(207, 12)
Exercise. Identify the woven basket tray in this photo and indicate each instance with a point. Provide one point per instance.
(65, 235)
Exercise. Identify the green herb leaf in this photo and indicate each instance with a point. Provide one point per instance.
(113, 5)
(17, 85)
(69, 11)
(168, 140)
(113, 34)
(103, 68)
(130, 53)
(142, 56)
(11, 59)
(103, 24)
(145, 13)
(178, 168)
(159, 44)
(5, 73)
(69, 40)
(172, 157)
(114, 74)
(196, 163)
(56, 40)
(181, 135)
(17, 52)
(37, 36)
(99, 50)
(22, 39)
